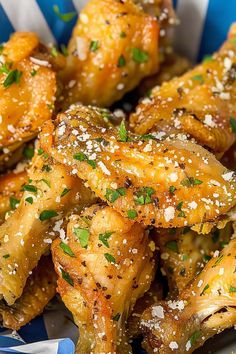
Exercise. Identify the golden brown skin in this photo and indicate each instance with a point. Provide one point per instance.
(205, 307)
(184, 253)
(100, 65)
(199, 103)
(26, 104)
(10, 187)
(25, 236)
(165, 184)
(102, 278)
(38, 291)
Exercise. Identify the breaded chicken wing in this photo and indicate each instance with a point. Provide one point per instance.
(204, 308)
(201, 103)
(11, 191)
(109, 53)
(24, 237)
(184, 253)
(27, 90)
(105, 266)
(38, 291)
(165, 184)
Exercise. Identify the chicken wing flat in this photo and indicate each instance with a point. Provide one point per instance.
(38, 291)
(27, 90)
(11, 191)
(165, 184)
(105, 266)
(49, 194)
(204, 308)
(201, 103)
(184, 253)
(109, 53)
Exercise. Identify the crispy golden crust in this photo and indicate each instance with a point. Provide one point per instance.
(100, 66)
(10, 187)
(184, 253)
(38, 291)
(25, 235)
(205, 307)
(101, 279)
(25, 105)
(166, 184)
(198, 103)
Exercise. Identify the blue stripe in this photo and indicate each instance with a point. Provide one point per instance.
(34, 331)
(66, 346)
(61, 30)
(220, 15)
(6, 27)
(9, 342)
(175, 3)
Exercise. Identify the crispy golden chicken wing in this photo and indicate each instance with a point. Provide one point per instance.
(201, 103)
(165, 184)
(38, 291)
(109, 53)
(105, 266)
(184, 253)
(11, 191)
(27, 90)
(204, 308)
(49, 194)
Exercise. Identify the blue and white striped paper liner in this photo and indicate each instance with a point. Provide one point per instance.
(203, 28)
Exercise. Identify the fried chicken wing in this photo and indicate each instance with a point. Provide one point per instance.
(165, 184)
(11, 191)
(106, 265)
(204, 308)
(109, 53)
(50, 193)
(27, 90)
(184, 253)
(38, 291)
(201, 103)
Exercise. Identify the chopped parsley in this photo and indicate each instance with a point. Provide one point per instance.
(121, 61)
(123, 132)
(6, 256)
(204, 289)
(33, 72)
(190, 181)
(179, 206)
(194, 337)
(198, 78)
(66, 17)
(29, 200)
(233, 124)
(143, 195)
(47, 214)
(66, 277)
(13, 76)
(109, 258)
(40, 152)
(94, 45)
(184, 257)
(29, 188)
(232, 289)
(218, 261)
(104, 238)
(173, 246)
(139, 56)
(172, 189)
(113, 194)
(116, 317)
(82, 157)
(66, 249)
(122, 34)
(46, 168)
(82, 235)
(28, 152)
(65, 191)
(13, 203)
(132, 214)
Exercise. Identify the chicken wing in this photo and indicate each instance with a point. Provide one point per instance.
(184, 253)
(165, 184)
(38, 291)
(109, 53)
(201, 103)
(11, 191)
(27, 90)
(49, 194)
(204, 308)
(105, 266)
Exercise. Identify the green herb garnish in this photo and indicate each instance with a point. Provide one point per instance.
(66, 277)
(123, 132)
(109, 258)
(233, 124)
(28, 152)
(66, 17)
(143, 195)
(82, 235)
(94, 45)
(47, 214)
(121, 61)
(113, 194)
(66, 249)
(104, 237)
(139, 56)
(13, 203)
(29, 188)
(29, 200)
(82, 157)
(204, 289)
(132, 214)
(65, 191)
(173, 246)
